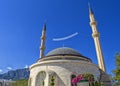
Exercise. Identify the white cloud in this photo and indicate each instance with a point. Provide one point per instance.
(1, 70)
(26, 66)
(9, 68)
(66, 37)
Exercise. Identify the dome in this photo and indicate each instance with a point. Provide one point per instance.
(63, 51)
(66, 53)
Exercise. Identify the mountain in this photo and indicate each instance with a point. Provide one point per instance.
(16, 74)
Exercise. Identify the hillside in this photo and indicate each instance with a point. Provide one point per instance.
(18, 74)
(21, 83)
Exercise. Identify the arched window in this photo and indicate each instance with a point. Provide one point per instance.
(57, 80)
(40, 79)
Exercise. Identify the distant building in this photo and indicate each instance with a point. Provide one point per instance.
(4, 82)
(61, 65)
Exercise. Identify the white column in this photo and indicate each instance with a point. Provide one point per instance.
(96, 35)
(43, 38)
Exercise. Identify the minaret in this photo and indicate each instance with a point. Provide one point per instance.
(96, 36)
(43, 38)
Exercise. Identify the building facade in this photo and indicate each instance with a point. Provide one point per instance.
(61, 64)
(4, 82)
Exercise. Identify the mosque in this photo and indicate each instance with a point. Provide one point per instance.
(61, 66)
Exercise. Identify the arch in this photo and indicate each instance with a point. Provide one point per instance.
(40, 78)
(52, 75)
(57, 80)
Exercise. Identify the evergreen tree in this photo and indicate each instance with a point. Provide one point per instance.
(43, 83)
(52, 81)
(102, 84)
(117, 70)
(96, 83)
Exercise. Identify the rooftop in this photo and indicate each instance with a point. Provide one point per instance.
(63, 51)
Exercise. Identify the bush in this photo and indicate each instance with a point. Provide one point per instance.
(21, 83)
(52, 81)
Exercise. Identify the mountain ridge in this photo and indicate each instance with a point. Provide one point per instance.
(17, 74)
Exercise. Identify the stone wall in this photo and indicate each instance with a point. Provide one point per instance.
(63, 69)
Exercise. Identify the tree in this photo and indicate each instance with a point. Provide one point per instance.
(52, 81)
(117, 70)
(43, 83)
(96, 83)
(102, 84)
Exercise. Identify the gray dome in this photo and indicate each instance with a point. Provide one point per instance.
(63, 51)
(66, 54)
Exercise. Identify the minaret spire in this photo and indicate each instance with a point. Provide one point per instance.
(43, 38)
(96, 36)
(90, 9)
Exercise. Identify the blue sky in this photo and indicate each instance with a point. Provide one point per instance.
(21, 22)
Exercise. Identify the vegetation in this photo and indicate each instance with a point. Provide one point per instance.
(86, 78)
(21, 83)
(52, 81)
(43, 83)
(96, 83)
(117, 70)
(102, 84)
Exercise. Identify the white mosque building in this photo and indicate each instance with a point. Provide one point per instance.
(61, 65)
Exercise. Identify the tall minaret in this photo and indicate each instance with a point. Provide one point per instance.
(43, 38)
(96, 36)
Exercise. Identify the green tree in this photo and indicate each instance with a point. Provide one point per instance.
(102, 84)
(96, 83)
(117, 70)
(52, 81)
(43, 83)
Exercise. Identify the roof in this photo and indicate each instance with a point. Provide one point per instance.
(63, 51)
(66, 53)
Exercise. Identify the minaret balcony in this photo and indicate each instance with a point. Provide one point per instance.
(95, 34)
(93, 23)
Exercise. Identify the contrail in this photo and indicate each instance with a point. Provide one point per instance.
(67, 37)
